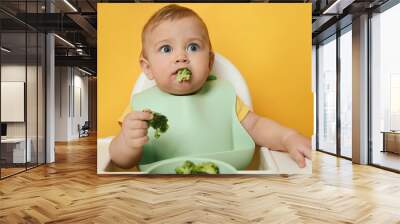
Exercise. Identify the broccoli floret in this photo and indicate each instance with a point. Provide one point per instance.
(206, 168)
(203, 168)
(184, 74)
(159, 123)
(186, 168)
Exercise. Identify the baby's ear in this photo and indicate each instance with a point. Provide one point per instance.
(211, 62)
(145, 65)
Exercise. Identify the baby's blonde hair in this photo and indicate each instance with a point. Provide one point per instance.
(171, 12)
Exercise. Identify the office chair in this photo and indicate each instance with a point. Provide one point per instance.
(84, 130)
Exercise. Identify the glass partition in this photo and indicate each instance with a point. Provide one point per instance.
(22, 88)
(13, 103)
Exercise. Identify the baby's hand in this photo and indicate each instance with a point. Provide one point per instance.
(298, 147)
(134, 129)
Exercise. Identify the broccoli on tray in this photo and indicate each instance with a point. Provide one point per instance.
(186, 168)
(184, 74)
(159, 123)
(189, 167)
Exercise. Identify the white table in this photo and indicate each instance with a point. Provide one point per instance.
(19, 149)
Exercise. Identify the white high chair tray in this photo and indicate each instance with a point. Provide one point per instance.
(271, 162)
(274, 162)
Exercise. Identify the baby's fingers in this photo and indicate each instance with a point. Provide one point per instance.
(298, 158)
(136, 124)
(138, 133)
(306, 150)
(140, 115)
(304, 146)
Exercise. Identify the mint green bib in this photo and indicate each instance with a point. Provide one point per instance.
(203, 124)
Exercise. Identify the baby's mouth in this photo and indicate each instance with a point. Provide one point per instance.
(183, 74)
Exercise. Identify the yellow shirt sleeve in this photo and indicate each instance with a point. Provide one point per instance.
(241, 111)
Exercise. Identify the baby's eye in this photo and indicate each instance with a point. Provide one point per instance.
(193, 47)
(165, 49)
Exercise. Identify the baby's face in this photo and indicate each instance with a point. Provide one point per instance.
(173, 45)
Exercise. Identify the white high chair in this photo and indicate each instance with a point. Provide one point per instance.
(271, 162)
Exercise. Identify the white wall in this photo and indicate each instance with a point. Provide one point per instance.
(12, 73)
(71, 93)
(62, 78)
(80, 84)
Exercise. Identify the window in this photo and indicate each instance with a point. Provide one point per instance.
(394, 102)
(327, 95)
(385, 88)
(346, 93)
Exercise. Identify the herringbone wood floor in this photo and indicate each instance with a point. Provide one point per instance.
(69, 191)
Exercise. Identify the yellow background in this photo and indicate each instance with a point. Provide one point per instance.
(269, 43)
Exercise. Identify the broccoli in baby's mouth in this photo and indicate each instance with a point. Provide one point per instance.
(159, 123)
(184, 74)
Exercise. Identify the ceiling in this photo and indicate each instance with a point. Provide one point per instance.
(76, 22)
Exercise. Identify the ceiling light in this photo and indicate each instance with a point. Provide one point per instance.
(70, 5)
(84, 71)
(5, 50)
(65, 41)
(338, 6)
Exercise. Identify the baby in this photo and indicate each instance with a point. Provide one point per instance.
(173, 39)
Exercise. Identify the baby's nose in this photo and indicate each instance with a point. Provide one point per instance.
(181, 57)
(181, 60)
